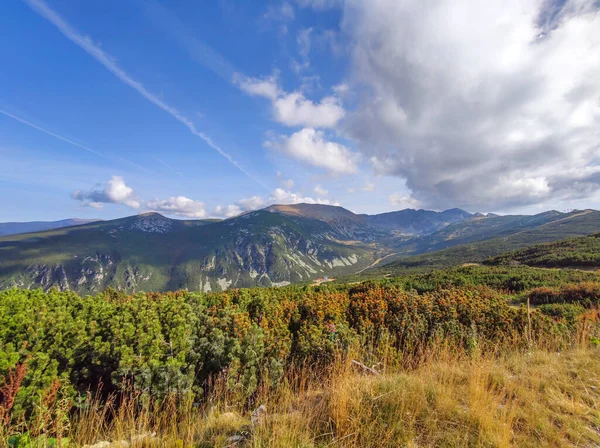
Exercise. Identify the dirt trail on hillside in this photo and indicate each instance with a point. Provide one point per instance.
(376, 262)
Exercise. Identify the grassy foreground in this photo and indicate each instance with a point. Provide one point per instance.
(476, 356)
(528, 399)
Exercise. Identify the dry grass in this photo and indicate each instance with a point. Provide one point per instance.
(528, 400)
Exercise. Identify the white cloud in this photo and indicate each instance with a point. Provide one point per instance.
(310, 146)
(341, 89)
(266, 87)
(320, 190)
(403, 201)
(116, 191)
(179, 206)
(281, 196)
(243, 205)
(228, 211)
(490, 104)
(293, 108)
(277, 196)
(252, 203)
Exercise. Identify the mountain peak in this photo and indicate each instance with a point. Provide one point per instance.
(318, 211)
(151, 222)
(151, 215)
(457, 210)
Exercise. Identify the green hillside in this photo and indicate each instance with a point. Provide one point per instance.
(151, 252)
(577, 252)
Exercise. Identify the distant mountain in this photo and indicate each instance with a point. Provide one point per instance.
(275, 246)
(476, 246)
(478, 228)
(417, 222)
(405, 222)
(13, 228)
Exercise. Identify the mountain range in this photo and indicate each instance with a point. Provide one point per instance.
(275, 246)
(12, 228)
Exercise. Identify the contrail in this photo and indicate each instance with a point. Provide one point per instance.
(86, 43)
(69, 141)
(60, 137)
(168, 166)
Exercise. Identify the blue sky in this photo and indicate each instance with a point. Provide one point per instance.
(201, 109)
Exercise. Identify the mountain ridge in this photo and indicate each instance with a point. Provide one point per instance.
(16, 227)
(275, 246)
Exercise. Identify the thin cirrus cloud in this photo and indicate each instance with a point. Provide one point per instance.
(71, 142)
(167, 165)
(85, 43)
(173, 27)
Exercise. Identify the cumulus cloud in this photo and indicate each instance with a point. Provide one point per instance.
(293, 108)
(281, 196)
(227, 211)
(478, 104)
(277, 196)
(403, 201)
(179, 206)
(243, 205)
(310, 146)
(116, 191)
(266, 87)
(251, 203)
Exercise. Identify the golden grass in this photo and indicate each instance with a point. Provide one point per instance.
(533, 399)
